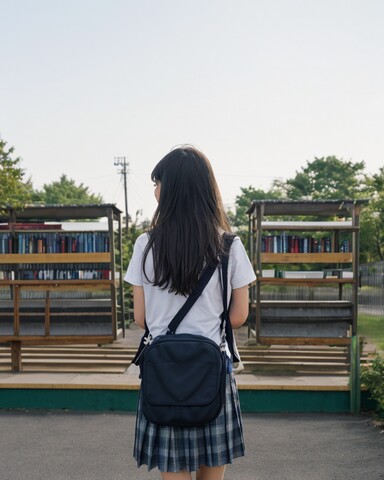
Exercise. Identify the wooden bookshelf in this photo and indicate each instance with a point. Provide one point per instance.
(72, 295)
(346, 222)
(317, 320)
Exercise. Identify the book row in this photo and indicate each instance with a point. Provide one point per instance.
(54, 242)
(52, 272)
(284, 243)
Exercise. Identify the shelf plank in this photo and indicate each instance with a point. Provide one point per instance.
(304, 226)
(58, 285)
(306, 257)
(58, 339)
(304, 304)
(304, 281)
(304, 340)
(94, 257)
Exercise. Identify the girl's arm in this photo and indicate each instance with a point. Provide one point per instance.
(239, 307)
(139, 306)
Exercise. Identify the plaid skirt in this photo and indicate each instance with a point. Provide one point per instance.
(172, 449)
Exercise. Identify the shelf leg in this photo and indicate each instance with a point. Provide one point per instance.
(16, 356)
(355, 389)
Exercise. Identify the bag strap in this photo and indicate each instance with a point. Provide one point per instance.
(175, 322)
(191, 300)
(203, 282)
(228, 240)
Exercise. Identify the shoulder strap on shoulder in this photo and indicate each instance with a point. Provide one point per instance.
(191, 300)
(228, 240)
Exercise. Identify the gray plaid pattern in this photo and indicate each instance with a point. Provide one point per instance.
(173, 449)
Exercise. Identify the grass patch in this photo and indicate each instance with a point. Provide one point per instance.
(372, 327)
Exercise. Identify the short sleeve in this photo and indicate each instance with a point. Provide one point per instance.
(134, 274)
(240, 267)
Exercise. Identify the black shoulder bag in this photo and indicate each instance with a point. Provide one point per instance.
(184, 375)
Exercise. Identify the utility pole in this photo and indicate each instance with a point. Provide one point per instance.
(122, 162)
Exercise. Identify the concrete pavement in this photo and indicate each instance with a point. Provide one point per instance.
(61, 445)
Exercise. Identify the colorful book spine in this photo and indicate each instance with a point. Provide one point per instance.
(88, 271)
(284, 243)
(44, 242)
(6, 243)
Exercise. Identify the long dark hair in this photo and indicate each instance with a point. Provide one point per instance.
(187, 226)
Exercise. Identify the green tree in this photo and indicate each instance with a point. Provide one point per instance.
(328, 178)
(128, 241)
(325, 178)
(372, 377)
(239, 218)
(333, 178)
(12, 189)
(66, 192)
(372, 220)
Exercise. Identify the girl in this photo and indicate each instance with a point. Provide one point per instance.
(186, 234)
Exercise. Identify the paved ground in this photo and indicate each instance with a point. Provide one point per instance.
(98, 446)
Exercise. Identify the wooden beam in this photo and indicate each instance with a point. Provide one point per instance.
(305, 304)
(16, 311)
(47, 319)
(306, 257)
(313, 282)
(16, 356)
(304, 340)
(59, 339)
(95, 257)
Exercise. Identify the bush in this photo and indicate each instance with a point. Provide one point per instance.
(373, 378)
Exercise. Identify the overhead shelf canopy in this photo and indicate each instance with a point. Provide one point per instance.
(30, 213)
(306, 207)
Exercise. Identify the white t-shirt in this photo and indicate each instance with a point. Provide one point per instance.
(204, 317)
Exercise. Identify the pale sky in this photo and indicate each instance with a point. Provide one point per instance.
(260, 86)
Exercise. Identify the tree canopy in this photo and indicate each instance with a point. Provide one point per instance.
(66, 192)
(12, 189)
(328, 178)
(372, 219)
(243, 201)
(325, 178)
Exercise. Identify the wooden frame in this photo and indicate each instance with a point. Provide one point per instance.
(47, 304)
(350, 209)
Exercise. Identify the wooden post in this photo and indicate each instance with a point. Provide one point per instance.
(121, 287)
(47, 319)
(355, 344)
(252, 290)
(355, 390)
(16, 312)
(355, 265)
(113, 273)
(251, 247)
(16, 356)
(259, 232)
